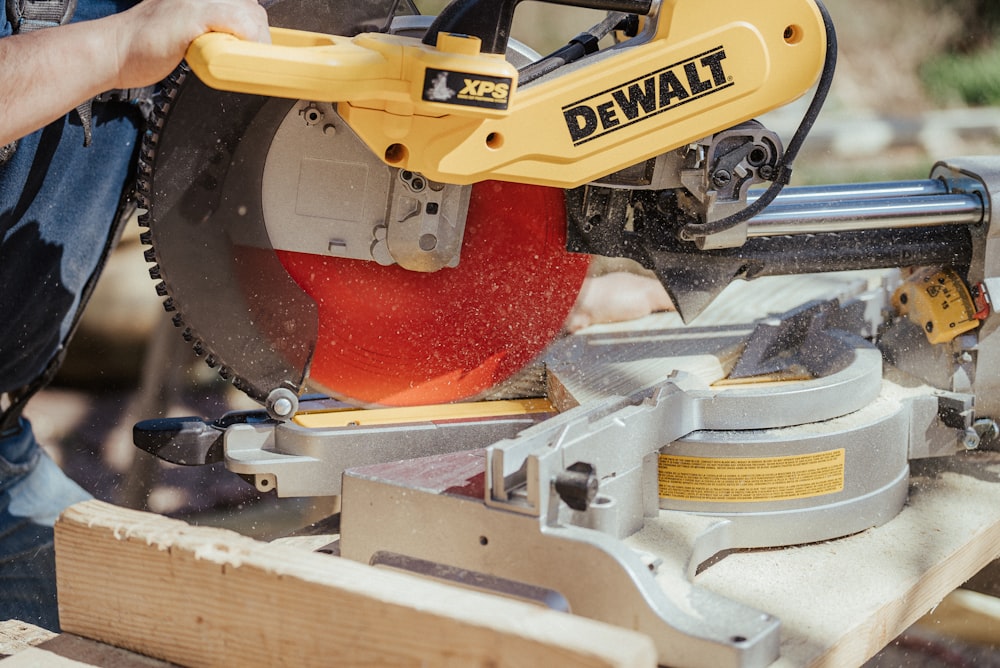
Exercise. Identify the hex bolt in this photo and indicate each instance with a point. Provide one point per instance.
(281, 403)
(969, 439)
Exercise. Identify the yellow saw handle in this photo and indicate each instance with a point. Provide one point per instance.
(372, 69)
(453, 112)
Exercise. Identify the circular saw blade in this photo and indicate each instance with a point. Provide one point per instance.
(391, 336)
(369, 334)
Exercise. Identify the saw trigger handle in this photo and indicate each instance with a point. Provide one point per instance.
(296, 64)
(371, 69)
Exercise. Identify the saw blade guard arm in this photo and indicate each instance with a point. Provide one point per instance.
(455, 111)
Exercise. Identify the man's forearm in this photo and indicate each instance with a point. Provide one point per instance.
(46, 73)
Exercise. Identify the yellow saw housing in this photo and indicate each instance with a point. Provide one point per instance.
(455, 114)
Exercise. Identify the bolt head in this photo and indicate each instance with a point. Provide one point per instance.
(282, 406)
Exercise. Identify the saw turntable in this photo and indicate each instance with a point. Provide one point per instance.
(374, 223)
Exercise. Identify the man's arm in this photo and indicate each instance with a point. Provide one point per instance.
(46, 73)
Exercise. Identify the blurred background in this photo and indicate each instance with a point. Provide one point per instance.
(917, 81)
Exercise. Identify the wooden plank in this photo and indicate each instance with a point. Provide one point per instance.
(70, 651)
(202, 596)
(971, 616)
(841, 601)
(16, 636)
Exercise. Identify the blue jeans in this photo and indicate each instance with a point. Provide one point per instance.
(58, 206)
(33, 491)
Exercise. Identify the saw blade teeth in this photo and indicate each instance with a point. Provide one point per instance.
(162, 106)
(144, 177)
(243, 386)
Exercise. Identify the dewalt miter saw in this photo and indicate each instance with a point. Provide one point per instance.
(397, 211)
(369, 152)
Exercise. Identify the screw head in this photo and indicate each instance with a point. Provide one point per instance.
(721, 178)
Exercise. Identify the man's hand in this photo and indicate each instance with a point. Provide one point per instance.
(152, 37)
(617, 297)
(46, 73)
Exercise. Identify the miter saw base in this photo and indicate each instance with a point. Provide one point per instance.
(533, 503)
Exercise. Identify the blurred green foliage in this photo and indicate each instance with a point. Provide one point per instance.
(964, 78)
(968, 72)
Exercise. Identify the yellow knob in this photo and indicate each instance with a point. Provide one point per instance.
(465, 45)
(938, 300)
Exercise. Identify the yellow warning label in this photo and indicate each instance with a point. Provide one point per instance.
(751, 479)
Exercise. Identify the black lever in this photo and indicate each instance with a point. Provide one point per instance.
(190, 441)
(490, 20)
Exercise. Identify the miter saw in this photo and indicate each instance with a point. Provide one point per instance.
(395, 212)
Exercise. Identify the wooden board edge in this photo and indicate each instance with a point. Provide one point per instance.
(210, 597)
(17, 636)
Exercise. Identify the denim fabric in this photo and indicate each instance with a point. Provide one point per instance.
(58, 203)
(57, 208)
(33, 491)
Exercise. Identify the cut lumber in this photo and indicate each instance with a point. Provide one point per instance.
(16, 636)
(202, 596)
(70, 651)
